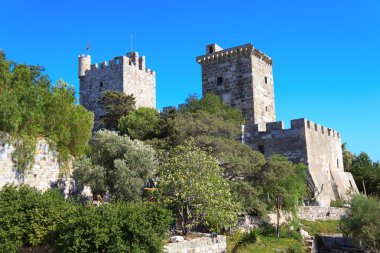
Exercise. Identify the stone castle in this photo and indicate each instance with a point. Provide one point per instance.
(243, 77)
(127, 74)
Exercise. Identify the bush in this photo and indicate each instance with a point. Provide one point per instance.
(136, 227)
(29, 217)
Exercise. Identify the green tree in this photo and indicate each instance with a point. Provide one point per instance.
(30, 107)
(348, 157)
(190, 183)
(283, 184)
(115, 104)
(363, 171)
(363, 222)
(117, 165)
(142, 124)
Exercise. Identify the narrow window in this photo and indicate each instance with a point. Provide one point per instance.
(210, 51)
(337, 163)
(130, 62)
(266, 108)
(101, 84)
(315, 127)
(219, 80)
(261, 149)
(266, 79)
(308, 124)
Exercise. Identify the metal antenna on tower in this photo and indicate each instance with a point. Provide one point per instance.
(131, 42)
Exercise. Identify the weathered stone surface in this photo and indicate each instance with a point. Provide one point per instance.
(242, 76)
(314, 213)
(205, 244)
(44, 173)
(127, 74)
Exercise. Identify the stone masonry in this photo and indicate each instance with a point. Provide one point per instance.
(127, 74)
(242, 76)
(44, 173)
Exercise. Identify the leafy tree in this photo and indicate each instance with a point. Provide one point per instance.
(30, 107)
(363, 171)
(363, 223)
(190, 184)
(115, 227)
(348, 157)
(115, 104)
(283, 184)
(117, 165)
(142, 124)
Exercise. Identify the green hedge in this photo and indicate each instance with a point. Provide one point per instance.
(31, 218)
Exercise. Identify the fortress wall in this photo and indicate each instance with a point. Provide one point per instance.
(227, 74)
(325, 162)
(277, 140)
(100, 77)
(44, 173)
(263, 91)
(140, 82)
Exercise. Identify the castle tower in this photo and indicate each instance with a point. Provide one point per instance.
(242, 76)
(127, 74)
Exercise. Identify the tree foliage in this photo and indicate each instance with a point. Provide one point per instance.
(116, 105)
(364, 223)
(366, 174)
(142, 124)
(190, 183)
(30, 107)
(117, 165)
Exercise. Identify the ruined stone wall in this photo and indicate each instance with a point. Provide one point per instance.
(242, 77)
(325, 162)
(314, 213)
(316, 146)
(126, 74)
(277, 140)
(44, 173)
(204, 244)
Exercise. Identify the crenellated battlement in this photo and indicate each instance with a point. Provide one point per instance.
(121, 62)
(296, 124)
(217, 53)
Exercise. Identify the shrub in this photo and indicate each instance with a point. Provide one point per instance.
(118, 227)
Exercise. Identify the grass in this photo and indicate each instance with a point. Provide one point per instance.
(264, 240)
(321, 227)
(267, 244)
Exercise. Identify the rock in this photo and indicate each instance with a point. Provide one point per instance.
(177, 239)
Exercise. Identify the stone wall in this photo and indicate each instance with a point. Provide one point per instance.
(204, 244)
(126, 74)
(316, 146)
(313, 213)
(242, 77)
(44, 173)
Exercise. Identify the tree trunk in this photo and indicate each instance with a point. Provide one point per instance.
(364, 189)
(278, 216)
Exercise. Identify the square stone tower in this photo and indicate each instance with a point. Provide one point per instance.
(127, 74)
(243, 77)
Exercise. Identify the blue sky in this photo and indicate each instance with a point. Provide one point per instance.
(326, 53)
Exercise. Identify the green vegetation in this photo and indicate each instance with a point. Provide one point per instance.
(191, 185)
(116, 165)
(321, 227)
(31, 218)
(365, 172)
(265, 239)
(116, 105)
(364, 223)
(30, 107)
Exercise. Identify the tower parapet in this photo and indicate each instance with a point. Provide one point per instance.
(127, 74)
